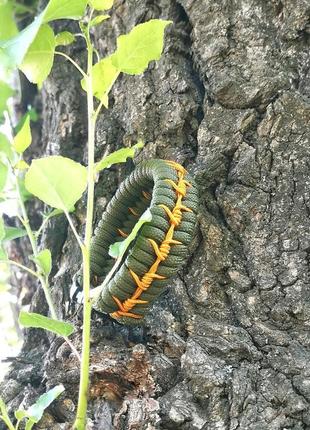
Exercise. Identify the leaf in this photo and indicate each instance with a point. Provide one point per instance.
(104, 75)
(2, 231)
(23, 138)
(35, 412)
(118, 249)
(54, 212)
(63, 9)
(13, 51)
(98, 20)
(29, 319)
(12, 233)
(3, 175)
(21, 165)
(143, 44)
(3, 253)
(6, 147)
(5, 93)
(64, 38)
(101, 4)
(39, 58)
(8, 27)
(119, 156)
(33, 114)
(57, 181)
(44, 261)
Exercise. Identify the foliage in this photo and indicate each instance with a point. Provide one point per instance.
(35, 412)
(118, 249)
(58, 181)
(30, 319)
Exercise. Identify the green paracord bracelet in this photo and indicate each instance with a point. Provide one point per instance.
(160, 247)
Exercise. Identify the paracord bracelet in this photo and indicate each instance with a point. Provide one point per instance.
(161, 245)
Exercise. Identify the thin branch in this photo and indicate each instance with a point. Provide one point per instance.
(74, 229)
(21, 266)
(73, 62)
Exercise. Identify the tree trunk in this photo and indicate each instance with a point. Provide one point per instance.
(227, 345)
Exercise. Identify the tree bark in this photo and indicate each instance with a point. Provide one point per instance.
(227, 345)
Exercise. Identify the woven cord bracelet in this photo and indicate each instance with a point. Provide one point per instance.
(161, 245)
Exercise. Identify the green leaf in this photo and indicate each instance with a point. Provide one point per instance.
(33, 114)
(3, 175)
(63, 9)
(12, 233)
(143, 44)
(29, 319)
(44, 261)
(21, 165)
(35, 412)
(119, 156)
(8, 27)
(3, 253)
(104, 75)
(54, 212)
(39, 58)
(57, 181)
(5, 93)
(3, 256)
(64, 38)
(23, 138)
(98, 20)
(6, 148)
(2, 231)
(13, 51)
(118, 249)
(101, 4)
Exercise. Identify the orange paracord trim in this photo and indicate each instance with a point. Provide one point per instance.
(162, 251)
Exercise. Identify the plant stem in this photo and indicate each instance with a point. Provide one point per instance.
(73, 62)
(21, 266)
(33, 242)
(48, 297)
(74, 230)
(7, 422)
(25, 221)
(80, 421)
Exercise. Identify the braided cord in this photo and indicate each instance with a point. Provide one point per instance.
(173, 201)
(162, 252)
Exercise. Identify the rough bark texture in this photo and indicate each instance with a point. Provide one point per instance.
(227, 346)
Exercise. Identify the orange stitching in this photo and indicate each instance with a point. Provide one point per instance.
(122, 233)
(146, 195)
(162, 251)
(133, 211)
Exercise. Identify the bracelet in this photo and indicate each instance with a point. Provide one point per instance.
(160, 247)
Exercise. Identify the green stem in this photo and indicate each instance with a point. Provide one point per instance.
(80, 421)
(21, 266)
(73, 62)
(25, 221)
(8, 422)
(33, 242)
(48, 297)
(74, 230)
